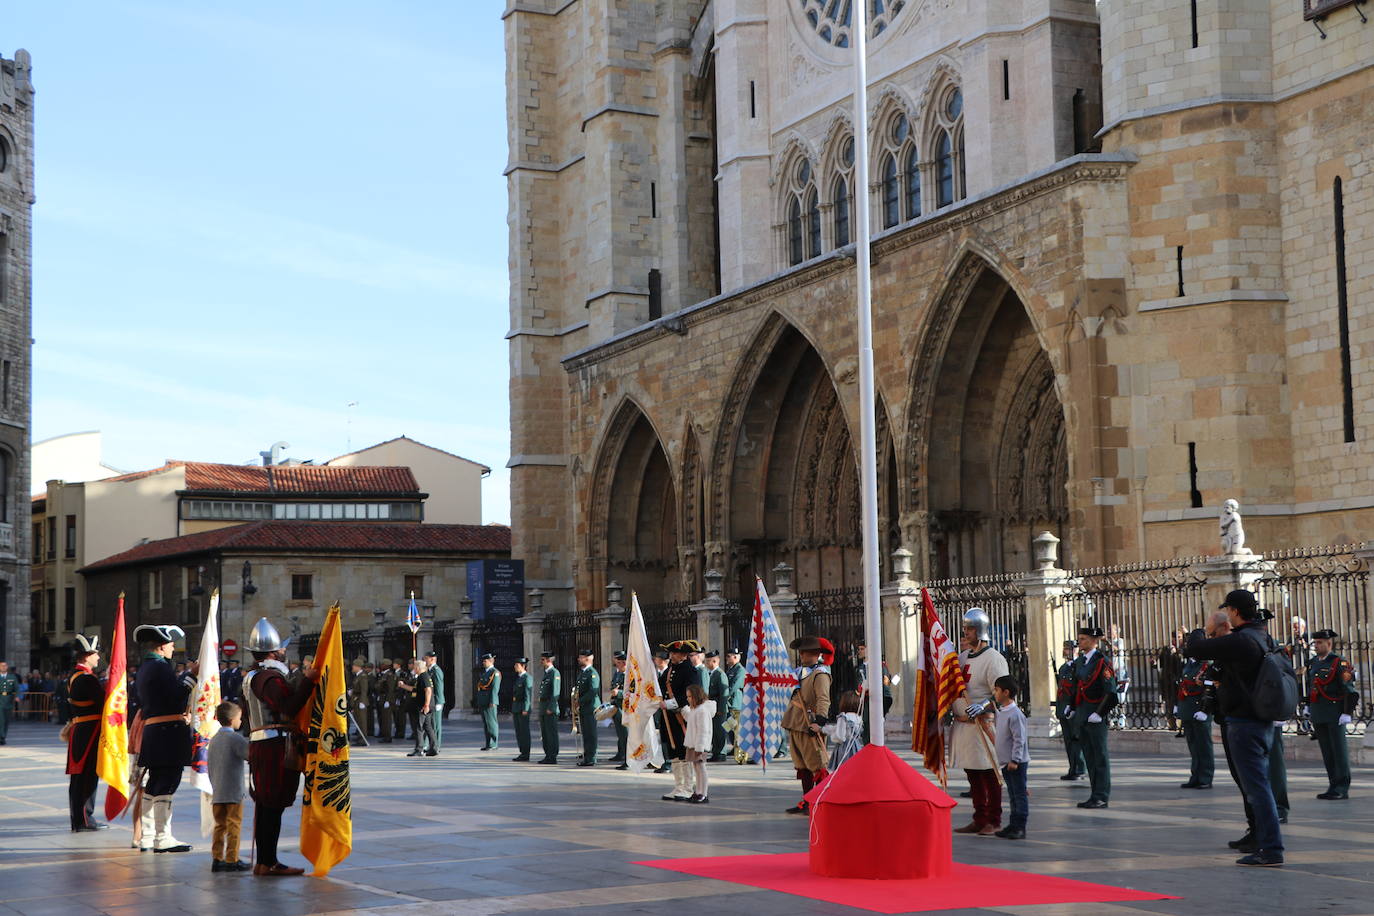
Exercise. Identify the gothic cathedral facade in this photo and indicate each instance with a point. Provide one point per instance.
(1118, 278)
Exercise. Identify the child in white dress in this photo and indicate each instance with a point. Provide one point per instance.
(698, 714)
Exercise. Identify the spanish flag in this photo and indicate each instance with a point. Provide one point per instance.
(112, 758)
(326, 803)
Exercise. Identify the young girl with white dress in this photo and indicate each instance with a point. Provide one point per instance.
(698, 714)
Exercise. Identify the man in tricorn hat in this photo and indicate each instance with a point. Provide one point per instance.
(971, 738)
(674, 681)
(165, 746)
(1094, 695)
(273, 742)
(1333, 700)
(808, 710)
(87, 699)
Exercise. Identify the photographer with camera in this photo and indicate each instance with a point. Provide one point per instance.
(1251, 698)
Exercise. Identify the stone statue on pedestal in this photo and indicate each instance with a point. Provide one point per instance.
(1232, 530)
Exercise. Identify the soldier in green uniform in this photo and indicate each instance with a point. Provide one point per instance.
(488, 689)
(1063, 711)
(368, 723)
(522, 692)
(9, 690)
(550, 689)
(1094, 696)
(1332, 701)
(734, 694)
(402, 679)
(622, 734)
(440, 698)
(1196, 722)
(359, 688)
(385, 685)
(717, 690)
(588, 699)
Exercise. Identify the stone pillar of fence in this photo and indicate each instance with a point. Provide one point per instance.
(611, 623)
(532, 628)
(1227, 573)
(1044, 588)
(461, 675)
(901, 638)
(710, 612)
(784, 601)
(1366, 554)
(376, 636)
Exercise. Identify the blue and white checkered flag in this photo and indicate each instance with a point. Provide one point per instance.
(769, 680)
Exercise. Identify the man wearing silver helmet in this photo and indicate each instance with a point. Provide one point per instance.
(972, 740)
(273, 742)
(165, 746)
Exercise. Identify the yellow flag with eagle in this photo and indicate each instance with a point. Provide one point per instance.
(326, 803)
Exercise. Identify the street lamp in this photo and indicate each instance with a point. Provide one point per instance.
(248, 587)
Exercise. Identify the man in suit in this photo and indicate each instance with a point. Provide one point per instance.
(436, 674)
(717, 690)
(550, 689)
(522, 692)
(588, 699)
(617, 697)
(488, 691)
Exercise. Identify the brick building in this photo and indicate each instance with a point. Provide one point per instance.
(1118, 278)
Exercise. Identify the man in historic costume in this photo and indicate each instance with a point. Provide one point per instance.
(86, 695)
(1063, 711)
(734, 678)
(436, 675)
(1332, 702)
(488, 694)
(972, 740)
(9, 693)
(807, 711)
(165, 747)
(675, 679)
(622, 734)
(550, 692)
(588, 699)
(273, 741)
(718, 691)
(1094, 696)
(521, 694)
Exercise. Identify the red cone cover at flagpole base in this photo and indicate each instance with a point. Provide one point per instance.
(876, 817)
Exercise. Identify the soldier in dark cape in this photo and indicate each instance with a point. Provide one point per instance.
(165, 747)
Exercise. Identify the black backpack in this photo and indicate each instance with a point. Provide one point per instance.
(1274, 694)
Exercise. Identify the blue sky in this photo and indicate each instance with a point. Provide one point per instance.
(250, 215)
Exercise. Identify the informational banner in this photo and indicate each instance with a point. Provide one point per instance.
(497, 588)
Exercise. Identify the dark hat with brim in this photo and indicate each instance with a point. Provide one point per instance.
(1243, 600)
(661, 653)
(485, 656)
(810, 644)
(158, 634)
(521, 661)
(360, 661)
(585, 653)
(618, 655)
(713, 654)
(1070, 644)
(676, 645)
(86, 645)
(1094, 632)
(1325, 634)
(732, 651)
(547, 655)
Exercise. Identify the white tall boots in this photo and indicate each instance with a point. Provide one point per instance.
(146, 825)
(682, 781)
(163, 841)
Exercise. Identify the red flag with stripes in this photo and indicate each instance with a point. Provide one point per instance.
(939, 680)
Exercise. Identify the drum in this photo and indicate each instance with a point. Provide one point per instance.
(605, 711)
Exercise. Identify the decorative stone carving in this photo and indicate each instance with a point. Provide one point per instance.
(1232, 530)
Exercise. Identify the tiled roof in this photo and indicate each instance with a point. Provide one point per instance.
(332, 537)
(204, 477)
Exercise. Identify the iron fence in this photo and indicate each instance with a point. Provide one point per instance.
(736, 621)
(1327, 588)
(1004, 601)
(354, 645)
(503, 637)
(1140, 607)
(838, 615)
(668, 621)
(564, 635)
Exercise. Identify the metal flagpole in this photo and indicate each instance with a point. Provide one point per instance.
(868, 434)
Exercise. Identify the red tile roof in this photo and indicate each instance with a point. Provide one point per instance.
(298, 479)
(331, 537)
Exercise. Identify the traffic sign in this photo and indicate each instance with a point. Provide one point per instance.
(229, 647)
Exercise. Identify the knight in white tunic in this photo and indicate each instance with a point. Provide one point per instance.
(972, 748)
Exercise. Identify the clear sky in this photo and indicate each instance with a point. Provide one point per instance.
(251, 215)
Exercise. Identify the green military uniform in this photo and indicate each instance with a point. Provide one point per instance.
(385, 685)
(588, 699)
(488, 693)
(622, 734)
(9, 691)
(550, 689)
(1198, 731)
(718, 689)
(734, 679)
(359, 690)
(369, 722)
(522, 692)
(1063, 711)
(440, 701)
(403, 697)
(1094, 693)
(1333, 696)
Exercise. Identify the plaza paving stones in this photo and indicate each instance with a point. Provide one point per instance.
(471, 832)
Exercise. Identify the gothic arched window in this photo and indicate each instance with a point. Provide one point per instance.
(891, 198)
(833, 20)
(803, 219)
(913, 183)
(898, 175)
(794, 232)
(841, 198)
(813, 224)
(947, 146)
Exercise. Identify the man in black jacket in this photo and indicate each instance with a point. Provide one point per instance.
(1249, 738)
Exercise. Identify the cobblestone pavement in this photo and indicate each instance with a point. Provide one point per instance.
(470, 832)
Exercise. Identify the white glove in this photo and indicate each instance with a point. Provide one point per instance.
(1343, 720)
(1200, 716)
(670, 704)
(1175, 709)
(386, 705)
(362, 706)
(974, 710)
(1094, 718)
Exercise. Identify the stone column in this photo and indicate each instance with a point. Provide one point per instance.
(1044, 588)
(376, 636)
(611, 622)
(901, 639)
(710, 611)
(1367, 555)
(1227, 573)
(461, 675)
(786, 607)
(532, 626)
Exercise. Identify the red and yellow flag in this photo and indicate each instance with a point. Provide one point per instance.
(112, 758)
(939, 681)
(327, 802)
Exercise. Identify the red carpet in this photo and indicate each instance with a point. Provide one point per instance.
(968, 887)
